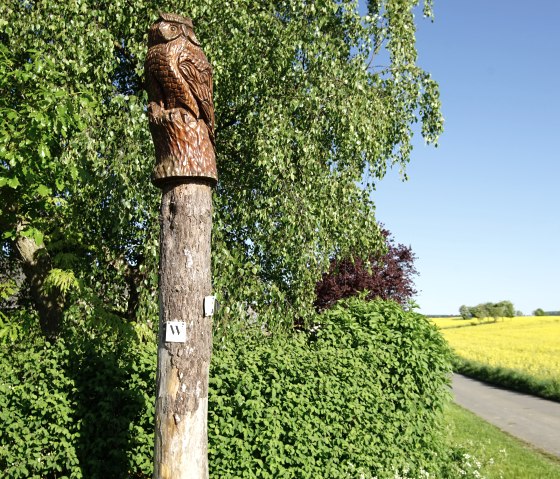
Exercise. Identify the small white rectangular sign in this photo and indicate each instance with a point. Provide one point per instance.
(209, 305)
(175, 331)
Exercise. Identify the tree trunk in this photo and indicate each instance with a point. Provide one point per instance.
(181, 445)
(36, 265)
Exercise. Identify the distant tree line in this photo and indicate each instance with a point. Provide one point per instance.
(503, 309)
(542, 312)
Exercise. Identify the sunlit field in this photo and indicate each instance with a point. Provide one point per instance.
(530, 345)
(456, 322)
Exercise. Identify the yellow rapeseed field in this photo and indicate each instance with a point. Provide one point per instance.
(527, 344)
(457, 322)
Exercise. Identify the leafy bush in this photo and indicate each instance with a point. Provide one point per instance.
(359, 396)
(115, 405)
(77, 409)
(386, 275)
(39, 433)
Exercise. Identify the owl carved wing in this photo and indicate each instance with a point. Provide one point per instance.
(197, 72)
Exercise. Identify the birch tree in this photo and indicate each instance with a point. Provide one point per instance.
(314, 102)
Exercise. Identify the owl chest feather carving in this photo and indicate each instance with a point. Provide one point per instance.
(180, 105)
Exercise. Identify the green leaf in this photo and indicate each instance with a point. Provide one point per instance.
(43, 151)
(43, 190)
(64, 280)
(13, 182)
(37, 236)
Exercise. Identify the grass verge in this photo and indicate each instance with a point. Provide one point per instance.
(493, 453)
(508, 378)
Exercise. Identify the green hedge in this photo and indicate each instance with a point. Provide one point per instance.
(81, 409)
(38, 436)
(359, 396)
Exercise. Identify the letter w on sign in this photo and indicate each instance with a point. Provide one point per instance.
(175, 331)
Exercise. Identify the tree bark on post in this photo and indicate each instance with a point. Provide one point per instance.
(182, 378)
(181, 117)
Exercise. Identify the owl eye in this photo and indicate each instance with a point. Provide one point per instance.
(173, 28)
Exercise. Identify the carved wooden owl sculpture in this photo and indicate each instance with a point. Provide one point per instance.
(180, 107)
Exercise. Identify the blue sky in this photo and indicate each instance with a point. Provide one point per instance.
(481, 210)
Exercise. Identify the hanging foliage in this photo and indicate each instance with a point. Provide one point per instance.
(302, 117)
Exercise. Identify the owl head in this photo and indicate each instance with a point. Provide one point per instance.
(170, 26)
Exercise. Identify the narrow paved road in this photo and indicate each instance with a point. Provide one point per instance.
(534, 420)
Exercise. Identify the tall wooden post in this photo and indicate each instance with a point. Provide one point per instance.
(181, 116)
(182, 378)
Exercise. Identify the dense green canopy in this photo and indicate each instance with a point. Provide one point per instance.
(306, 119)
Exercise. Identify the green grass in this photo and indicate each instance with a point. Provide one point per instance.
(500, 455)
(515, 380)
(521, 353)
